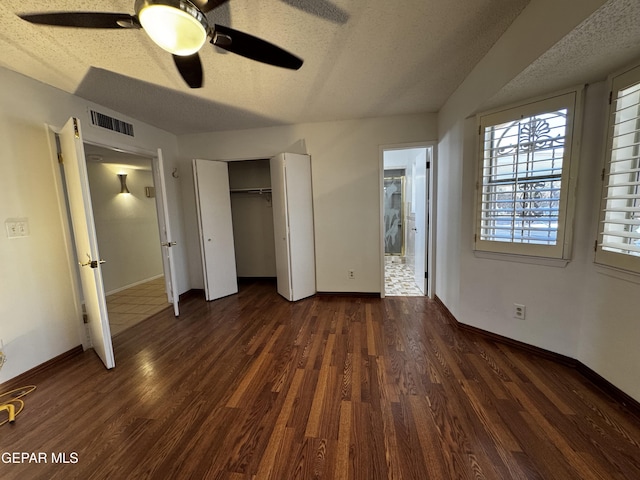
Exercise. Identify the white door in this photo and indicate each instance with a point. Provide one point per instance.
(292, 202)
(280, 226)
(86, 242)
(213, 202)
(420, 196)
(166, 239)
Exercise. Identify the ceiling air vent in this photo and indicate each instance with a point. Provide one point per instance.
(105, 121)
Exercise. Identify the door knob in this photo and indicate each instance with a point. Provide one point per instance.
(92, 263)
(167, 244)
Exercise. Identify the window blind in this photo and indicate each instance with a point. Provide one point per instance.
(621, 220)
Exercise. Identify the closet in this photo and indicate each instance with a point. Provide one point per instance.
(252, 213)
(270, 222)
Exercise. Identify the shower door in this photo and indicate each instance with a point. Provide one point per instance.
(393, 215)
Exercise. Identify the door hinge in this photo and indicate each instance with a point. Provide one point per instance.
(479, 129)
(595, 246)
(602, 174)
(610, 97)
(475, 237)
(60, 158)
(76, 130)
(428, 165)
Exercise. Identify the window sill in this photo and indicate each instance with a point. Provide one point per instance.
(618, 273)
(509, 257)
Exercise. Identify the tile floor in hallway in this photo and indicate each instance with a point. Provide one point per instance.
(398, 279)
(129, 307)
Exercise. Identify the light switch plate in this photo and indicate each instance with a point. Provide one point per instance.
(17, 227)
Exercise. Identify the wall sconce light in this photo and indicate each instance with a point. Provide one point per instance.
(123, 183)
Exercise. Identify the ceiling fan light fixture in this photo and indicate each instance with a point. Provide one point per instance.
(176, 26)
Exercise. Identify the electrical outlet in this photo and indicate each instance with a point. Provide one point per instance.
(352, 274)
(519, 311)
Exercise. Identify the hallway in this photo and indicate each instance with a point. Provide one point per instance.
(129, 307)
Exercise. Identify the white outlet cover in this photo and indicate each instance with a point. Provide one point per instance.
(17, 227)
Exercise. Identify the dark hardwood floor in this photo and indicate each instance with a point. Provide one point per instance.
(332, 387)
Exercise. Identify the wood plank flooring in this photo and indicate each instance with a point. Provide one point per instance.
(331, 387)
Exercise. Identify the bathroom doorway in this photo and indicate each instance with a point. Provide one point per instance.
(405, 207)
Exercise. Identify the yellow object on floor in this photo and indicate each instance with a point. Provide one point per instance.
(15, 404)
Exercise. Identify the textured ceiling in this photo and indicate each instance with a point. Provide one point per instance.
(605, 42)
(363, 58)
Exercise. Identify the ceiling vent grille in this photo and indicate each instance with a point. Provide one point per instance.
(110, 123)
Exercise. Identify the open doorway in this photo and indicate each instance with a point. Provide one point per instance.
(126, 222)
(405, 219)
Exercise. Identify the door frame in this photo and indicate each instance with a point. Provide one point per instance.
(430, 210)
(161, 202)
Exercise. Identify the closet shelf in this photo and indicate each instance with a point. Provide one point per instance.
(259, 190)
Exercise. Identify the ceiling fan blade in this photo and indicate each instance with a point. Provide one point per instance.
(83, 19)
(254, 48)
(190, 68)
(321, 8)
(208, 5)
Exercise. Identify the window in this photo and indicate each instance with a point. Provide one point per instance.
(524, 191)
(619, 235)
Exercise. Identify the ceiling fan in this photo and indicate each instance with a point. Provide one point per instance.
(181, 28)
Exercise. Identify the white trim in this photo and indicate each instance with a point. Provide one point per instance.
(123, 148)
(508, 257)
(610, 271)
(381, 219)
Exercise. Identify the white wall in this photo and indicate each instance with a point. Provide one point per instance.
(126, 225)
(345, 175)
(39, 316)
(609, 327)
(448, 210)
(580, 311)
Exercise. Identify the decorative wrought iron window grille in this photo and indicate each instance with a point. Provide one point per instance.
(522, 179)
(524, 200)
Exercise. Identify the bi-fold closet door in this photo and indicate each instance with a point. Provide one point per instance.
(293, 226)
(213, 203)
